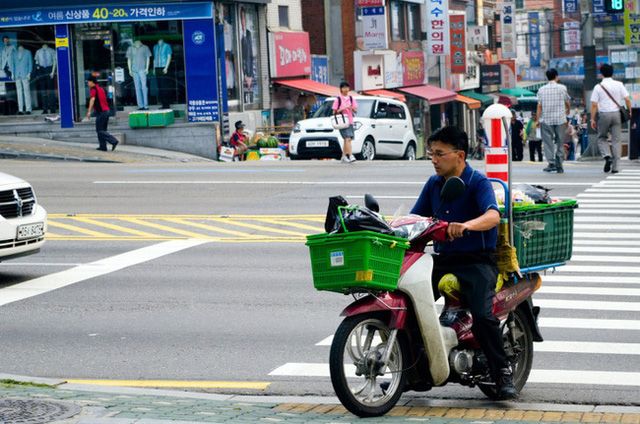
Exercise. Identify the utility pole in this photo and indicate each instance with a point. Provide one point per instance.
(590, 77)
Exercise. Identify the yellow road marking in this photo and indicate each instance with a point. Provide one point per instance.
(254, 385)
(164, 228)
(257, 227)
(291, 224)
(77, 229)
(209, 227)
(160, 216)
(113, 227)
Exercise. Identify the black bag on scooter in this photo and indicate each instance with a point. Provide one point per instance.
(332, 223)
(355, 218)
(539, 194)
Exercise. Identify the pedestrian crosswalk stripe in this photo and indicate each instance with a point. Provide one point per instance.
(602, 258)
(599, 279)
(595, 291)
(599, 305)
(589, 324)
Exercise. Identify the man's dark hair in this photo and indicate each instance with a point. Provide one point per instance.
(93, 79)
(451, 135)
(551, 74)
(344, 84)
(7, 37)
(606, 70)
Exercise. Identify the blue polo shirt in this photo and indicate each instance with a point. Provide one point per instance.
(476, 200)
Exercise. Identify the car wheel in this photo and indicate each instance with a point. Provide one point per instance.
(410, 153)
(368, 151)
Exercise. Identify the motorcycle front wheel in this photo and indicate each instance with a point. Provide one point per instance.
(362, 382)
(518, 344)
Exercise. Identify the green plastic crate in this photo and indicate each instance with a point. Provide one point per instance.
(362, 259)
(161, 118)
(138, 120)
(543, 234)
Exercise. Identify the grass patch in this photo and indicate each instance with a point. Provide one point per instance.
(15, 383)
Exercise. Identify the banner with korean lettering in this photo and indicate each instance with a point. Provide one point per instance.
(572, 36)
(374, 28)
(437, 27)
(534, 39)
(291, 54)
(570, 6)
(508, 23)
(413, 68)
(125, 12)
(458, 44)
(369, 3)
(508, 73)
(632, 25)
(200, 71)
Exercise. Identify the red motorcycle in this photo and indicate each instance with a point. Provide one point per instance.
(394, 341)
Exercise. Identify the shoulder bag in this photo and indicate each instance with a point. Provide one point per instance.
(340, 121)
(625, 115)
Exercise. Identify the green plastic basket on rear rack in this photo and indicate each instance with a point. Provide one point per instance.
(362, 259)
(543, 234)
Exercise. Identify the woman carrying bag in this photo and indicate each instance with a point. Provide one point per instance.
(345, 105)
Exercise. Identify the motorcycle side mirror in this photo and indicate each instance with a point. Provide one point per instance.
(371, 203)
(453, 189)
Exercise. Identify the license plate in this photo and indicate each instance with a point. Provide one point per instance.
(30, 230)
(324, 143)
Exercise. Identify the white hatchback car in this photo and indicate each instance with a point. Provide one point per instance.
(383, 127)
(23, 222)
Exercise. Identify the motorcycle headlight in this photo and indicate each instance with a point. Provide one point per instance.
(357, 125)
(296, 127)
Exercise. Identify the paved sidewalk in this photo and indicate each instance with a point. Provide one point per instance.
(32, 148)
(32, 400)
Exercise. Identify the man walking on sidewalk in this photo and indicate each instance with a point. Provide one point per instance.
(99, 102)
(605, 101)
(553, 108)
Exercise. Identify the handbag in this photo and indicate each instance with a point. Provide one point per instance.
(625, 115)
(340, 121)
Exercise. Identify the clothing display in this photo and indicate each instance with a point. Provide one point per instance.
(22, 75)
(161, 61)
(46, 63)
(138, 57)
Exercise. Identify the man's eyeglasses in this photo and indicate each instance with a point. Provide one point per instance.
(441, 154)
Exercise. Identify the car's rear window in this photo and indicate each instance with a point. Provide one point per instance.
(364, 108)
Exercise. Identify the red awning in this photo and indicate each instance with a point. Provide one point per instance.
(435, 95)
(386, 93)
(310, 86)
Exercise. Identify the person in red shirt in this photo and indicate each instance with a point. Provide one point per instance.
(238, 140)
(98, 100)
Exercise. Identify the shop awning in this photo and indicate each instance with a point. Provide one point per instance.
(518, 92)
(484, 99)
(435, 95)
(505, 99)
(310, 86)
(386, 93)
(531, 85)
(472, 103)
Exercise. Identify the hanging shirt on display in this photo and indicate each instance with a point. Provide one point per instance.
(138, 56)
(161, 55)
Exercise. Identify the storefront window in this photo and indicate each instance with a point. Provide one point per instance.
(28, 70)
(249, 51)
(397, 21)
(230, 53)
(415, 32)
(139, 64)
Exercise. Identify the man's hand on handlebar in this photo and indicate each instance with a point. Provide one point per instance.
(457, 229)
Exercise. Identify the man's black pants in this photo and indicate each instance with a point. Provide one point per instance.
(46, 89)
(477, 273)
(102, 121)
(164, 88)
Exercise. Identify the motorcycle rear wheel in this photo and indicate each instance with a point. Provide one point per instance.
(358, 345)
(520, 353)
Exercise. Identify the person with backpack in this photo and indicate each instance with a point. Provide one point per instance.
(346, 105)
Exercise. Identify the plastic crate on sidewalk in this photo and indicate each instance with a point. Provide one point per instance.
(139, 119)
(161, 118)
(362, 259)
(543, 234)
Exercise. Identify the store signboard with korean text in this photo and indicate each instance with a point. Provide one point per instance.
(437, 27)
(508, 22)
(458, 44)
(534, 39)
(601, 16)
(291, 54)
(572, 36)
(508, 73)
(413, 68)
(374, 28)
(200, 71)
(490, 75)
(632, 24)
(369, 3)
(123, 13)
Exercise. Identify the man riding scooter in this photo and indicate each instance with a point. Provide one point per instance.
(470, 258)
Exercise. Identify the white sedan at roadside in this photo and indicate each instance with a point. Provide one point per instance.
(23, 222)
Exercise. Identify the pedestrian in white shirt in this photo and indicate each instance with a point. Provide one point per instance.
(607, 106)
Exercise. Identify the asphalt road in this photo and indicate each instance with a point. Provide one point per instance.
(236, 302)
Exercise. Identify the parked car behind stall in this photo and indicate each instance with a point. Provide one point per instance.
(383, 128)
